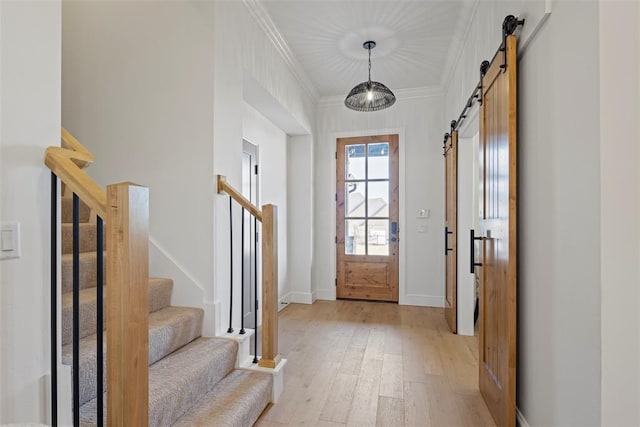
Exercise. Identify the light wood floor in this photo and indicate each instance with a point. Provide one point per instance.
(364, 364)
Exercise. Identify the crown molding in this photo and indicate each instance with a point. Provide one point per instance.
(264, 21)
(401, 95)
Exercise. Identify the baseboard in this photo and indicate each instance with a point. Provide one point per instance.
(301, 297)
(522, 422)
(284, 301)
(326, 294)
(187, 291)
(212, 321)
(422, 300)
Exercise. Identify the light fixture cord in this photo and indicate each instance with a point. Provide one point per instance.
(369, 47)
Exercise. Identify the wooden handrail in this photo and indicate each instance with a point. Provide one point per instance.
(224, 187)
(67, 163)
(269, 219)
(127, 225)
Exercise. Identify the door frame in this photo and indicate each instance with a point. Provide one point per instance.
(368, 260)
(403, 298)
(247, 144)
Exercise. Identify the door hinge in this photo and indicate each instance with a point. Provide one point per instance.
(336, 155)
(336, 239)
(255, 169)
(336, 197)
(336, 282)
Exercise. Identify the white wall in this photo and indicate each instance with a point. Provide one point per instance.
(29, 122)
(418, 119)
(272, 158)
(138, 92)
(244, 53)
(301, 216)
(620, 211)
(559, 203)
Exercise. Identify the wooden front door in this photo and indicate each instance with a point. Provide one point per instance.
(498, 237)
(451, 232)
(367, 218)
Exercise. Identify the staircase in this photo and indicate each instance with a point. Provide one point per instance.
(193, 380)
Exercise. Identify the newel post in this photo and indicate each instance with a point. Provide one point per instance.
(270, 356)
(127, 235)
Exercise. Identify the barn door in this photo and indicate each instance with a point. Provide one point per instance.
(498, 236)
(451, 232)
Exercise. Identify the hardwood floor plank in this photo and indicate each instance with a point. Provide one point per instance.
(416, 409)
(338, 404)
(364, 405)
(391, 379)
(390, 412)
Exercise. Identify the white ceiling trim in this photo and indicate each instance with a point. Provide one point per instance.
(401, 95)
(264, 21)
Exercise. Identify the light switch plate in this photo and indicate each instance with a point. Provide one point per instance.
(9, 240)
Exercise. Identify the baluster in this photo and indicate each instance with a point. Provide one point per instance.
(76, 310)
(242, 331)
(230, 330)
(54, 300)
(255, 289)
(100, 319)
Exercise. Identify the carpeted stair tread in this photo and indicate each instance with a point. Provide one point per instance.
(237, 400)
(87, 237)
(67, 210)
(180, 380)
(88, 270)
(169, 329)
(159, 298)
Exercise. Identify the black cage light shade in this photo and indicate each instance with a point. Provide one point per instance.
(369, 95)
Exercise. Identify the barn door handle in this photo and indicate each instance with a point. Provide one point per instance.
(473, 263)
(446, 241)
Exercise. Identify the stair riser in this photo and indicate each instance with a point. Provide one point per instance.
(159, 298)
(87, 238)
(67, 210)
(88, 272)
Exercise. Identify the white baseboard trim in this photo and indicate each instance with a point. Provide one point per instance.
(326, 294)
(422, 300)
(301, 297)
(284, 301)
(522, 422)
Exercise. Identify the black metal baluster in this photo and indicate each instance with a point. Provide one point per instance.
(242, 331)
(54, 300)
(100, 319)
(255, 290)
(76, 310)
(230, 330)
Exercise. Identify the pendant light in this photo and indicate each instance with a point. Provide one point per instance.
(370, 95)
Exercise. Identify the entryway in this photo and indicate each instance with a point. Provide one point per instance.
(367, 231)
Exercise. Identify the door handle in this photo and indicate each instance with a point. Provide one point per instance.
(473, 264)
(446, 241)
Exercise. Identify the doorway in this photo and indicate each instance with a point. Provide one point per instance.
(367, 230)
(250, 191)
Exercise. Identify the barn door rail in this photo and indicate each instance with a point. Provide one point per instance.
(509, 26)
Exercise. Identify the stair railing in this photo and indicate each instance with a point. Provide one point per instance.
(125, 208)
(268, 216)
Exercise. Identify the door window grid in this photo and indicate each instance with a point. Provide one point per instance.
(366, 219)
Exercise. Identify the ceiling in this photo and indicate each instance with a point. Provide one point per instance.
(417, 41)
